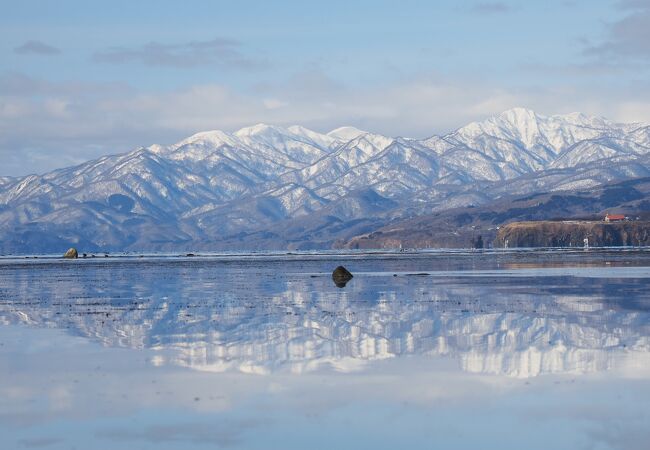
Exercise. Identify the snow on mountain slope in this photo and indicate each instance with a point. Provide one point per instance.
(640, 136)
(150, 180)
(581, 177)
(216, 182)
(401, 167)
(297, 149)
(353, 153)
(322, 140)
(544, 134)
(523, 141)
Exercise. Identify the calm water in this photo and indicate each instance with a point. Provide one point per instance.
(518, 350)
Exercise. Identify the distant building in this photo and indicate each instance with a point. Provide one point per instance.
(614, 218)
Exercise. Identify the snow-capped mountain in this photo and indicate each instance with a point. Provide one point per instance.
(216, 186)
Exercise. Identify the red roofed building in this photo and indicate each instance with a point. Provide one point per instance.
(614, 217)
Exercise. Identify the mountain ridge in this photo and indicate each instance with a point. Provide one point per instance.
(216, 184)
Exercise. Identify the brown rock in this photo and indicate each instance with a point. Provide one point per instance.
(71, 253)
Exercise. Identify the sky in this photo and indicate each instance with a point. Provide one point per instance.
(81, 79)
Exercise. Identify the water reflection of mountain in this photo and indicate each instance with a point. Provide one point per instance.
(244, 316)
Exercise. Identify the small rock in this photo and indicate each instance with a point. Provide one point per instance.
(71, 253)
(341, 276)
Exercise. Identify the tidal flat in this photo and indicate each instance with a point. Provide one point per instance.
(441, 349)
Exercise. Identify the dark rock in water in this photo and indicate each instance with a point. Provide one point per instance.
(190, 254)
(341, 276)
(71, 253)
(85, 255)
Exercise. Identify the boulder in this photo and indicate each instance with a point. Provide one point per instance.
(341, 276)
(71, 253)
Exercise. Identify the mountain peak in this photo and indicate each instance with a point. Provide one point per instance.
(584, 120)
(305, 133)
(300, 130)
(519, 115)
(213, 137)
(260, 128)
(517, 122)
(346, 133)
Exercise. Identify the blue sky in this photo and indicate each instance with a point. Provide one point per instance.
(79, 79)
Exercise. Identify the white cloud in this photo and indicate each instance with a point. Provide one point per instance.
(45, 125)
(36, 48)
(219, 51)
(274, 103)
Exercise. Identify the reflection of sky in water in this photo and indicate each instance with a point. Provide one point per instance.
(458, 351)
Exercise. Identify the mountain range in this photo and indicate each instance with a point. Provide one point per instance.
(268, 187)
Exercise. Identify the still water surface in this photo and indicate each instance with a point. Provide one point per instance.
(449, 350)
